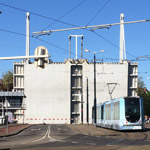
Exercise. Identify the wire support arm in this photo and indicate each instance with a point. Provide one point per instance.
(93, 28)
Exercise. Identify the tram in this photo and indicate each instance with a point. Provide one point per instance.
(121, 114)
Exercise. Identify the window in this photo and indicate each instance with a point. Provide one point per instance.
(102, 112)
(132, 109)
(108, 112)
(116, 111)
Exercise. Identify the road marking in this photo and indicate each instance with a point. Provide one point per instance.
(75, 142)
(51, 139)
(114, 142)
(36, 129)
(46, 134)
(62, 129)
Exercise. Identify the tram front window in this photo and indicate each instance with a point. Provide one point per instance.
(132, 109)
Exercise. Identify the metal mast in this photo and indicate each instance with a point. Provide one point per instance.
(27, 34)
(76, 45)
(122, 39)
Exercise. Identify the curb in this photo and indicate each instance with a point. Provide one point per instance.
(15, 133)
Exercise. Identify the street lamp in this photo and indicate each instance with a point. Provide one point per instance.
(89, 51)
(101, 51)
(6, 105)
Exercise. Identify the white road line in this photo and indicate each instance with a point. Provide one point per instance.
(114, 142)
(42, 137)
(62, 129)
(36, 129)
(47, 134)
(51, 139)
(75, 142)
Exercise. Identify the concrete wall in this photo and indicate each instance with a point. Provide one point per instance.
(47, 94)
(110, 78)
(48, 90)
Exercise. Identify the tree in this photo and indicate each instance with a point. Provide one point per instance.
(7, 80)
(145, 94)
(141, 86)
(141, 83)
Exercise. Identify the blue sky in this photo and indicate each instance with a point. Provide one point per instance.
(76, 13)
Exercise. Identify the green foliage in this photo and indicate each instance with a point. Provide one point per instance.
(146, 102)
(140, 83)
(7, 80)
(145, 94)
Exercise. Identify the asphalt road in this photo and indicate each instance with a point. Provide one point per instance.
(75, 137)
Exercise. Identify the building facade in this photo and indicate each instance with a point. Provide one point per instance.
(64, 92)
(12, 104)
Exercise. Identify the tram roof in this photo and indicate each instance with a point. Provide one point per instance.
(7, 93)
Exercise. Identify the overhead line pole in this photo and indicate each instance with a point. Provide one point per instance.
(95, 101)
(93, 28)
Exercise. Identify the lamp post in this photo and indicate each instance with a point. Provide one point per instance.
(95, 89)
(6, 105)
(95, 101)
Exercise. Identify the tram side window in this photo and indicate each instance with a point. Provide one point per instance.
(116, 110)
(102, 112)
(93, 114)
(98, 112)
(108, 112)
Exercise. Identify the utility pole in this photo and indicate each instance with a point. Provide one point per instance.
(122, 39)
(6, 105)
(69, 47)
(87, 104)
(95, 101)
(95, 89)
(27, 34)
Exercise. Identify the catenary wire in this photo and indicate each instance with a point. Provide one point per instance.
(65, 23)
(65, 14)
(36, 14)
(21, 34)
(111, 43)
(99, 11)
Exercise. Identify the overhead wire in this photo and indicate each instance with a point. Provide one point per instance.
(112, 43)
(17, 33)
(36, 14)
(66, 23)
(54, 45)
(99, 11)
(65, 14)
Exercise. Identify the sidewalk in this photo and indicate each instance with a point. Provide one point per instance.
(13, 129)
